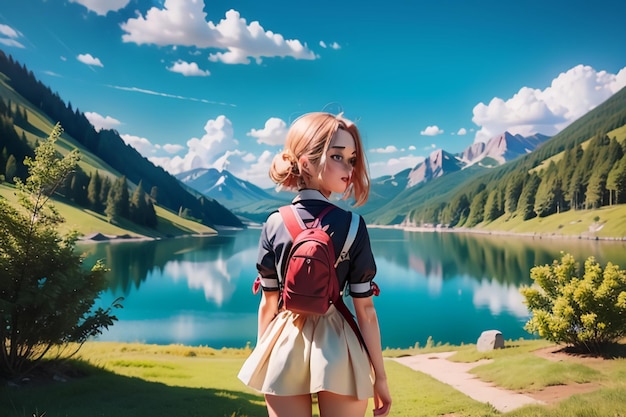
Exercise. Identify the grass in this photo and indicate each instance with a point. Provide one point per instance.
(89, 222)
(124, 380)
(607, 223)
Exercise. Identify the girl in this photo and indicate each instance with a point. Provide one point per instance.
(299, 355)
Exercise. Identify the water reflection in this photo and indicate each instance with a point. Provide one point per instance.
(506, 259)
(450, 286)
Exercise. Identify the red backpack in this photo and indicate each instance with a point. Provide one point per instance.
(310, 282)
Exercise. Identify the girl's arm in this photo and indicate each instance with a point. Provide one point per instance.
(368, 324)
(268, 308)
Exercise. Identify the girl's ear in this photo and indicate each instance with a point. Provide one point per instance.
(304, 164)
(307, 170)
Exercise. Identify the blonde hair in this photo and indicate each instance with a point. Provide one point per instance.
(310, 135)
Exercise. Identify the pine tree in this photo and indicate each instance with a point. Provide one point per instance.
(616, 182)
(567, 173)
(513, 190)
(105, 187)
(4, 156)
(457, 211)
(493, 206)
(154, 194)
(477, 209)
(549, 194)
(117, 201)
(138, 205)
(151, 219)
(526, 203)
(93, 192)
(596, 190)
(11, 168)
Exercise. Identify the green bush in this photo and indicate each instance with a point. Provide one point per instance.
(584, 309)
(46, 295)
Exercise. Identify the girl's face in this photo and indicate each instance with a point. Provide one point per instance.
(340, 160)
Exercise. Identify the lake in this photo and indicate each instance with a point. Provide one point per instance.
(447, 286)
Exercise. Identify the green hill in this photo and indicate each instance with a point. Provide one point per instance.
(28, 112)
(581, 169)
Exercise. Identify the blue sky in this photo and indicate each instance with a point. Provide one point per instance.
(202, 83)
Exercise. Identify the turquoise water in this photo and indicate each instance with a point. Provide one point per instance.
(448, 286)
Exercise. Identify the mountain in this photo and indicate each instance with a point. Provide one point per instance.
(575, 169)
(438, 163)
(223, 186)
(502, 149)
(32, 111)
(495, 152)
(250, 202)
(479, 156)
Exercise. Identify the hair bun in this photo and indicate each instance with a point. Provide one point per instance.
(286, 162)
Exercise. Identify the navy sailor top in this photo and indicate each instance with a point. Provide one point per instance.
(356, 273)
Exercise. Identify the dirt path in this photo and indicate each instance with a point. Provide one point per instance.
(457, 375)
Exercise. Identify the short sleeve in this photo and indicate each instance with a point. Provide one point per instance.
(362, 267)
(266, 260)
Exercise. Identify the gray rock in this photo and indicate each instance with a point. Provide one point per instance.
(490, 340)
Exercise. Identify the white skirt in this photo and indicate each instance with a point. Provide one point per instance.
(307, 354)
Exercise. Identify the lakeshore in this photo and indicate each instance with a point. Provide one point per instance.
(533, 235)
(125, 380)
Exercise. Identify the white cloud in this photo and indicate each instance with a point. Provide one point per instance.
(571, 95)
(172, 148)
(100, 122)
(394, 165)
(102, 7)
(333, 45)
(258, 174)
(8, 31)
(52, 74)
(87, 59)
(205, 152)
(180, 22)
(218, 139)
(387, 149)
(184, 23)
(188, 69)
(142, 145)
(462, 131)
(431, 131)
(160, 94)
(273, 134)
(8, 36)
(218, 149)
(11, 42)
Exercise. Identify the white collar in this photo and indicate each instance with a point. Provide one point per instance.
(309, 194)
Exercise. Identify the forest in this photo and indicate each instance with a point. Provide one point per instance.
(583, 167)
(136, 184)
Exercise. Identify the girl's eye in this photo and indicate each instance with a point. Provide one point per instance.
(352, 161)
(337, 157)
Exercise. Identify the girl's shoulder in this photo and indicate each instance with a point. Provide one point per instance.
(273, 222)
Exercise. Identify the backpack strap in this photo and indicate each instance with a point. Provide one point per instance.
(295, 225)
(354, 228)
(344, 256)
(347, 314)
(294, 222)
